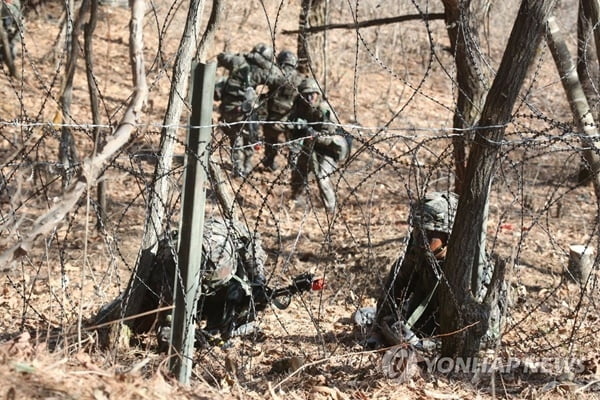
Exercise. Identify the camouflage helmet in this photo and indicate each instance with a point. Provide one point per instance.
(435, 212)
(309, 85)
(286, 57)
(263, 50)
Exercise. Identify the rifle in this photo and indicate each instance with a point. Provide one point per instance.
(302, 283)
(232, 308)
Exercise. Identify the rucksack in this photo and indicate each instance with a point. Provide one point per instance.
(337, 146)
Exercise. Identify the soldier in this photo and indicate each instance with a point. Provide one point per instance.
(232, 284)
(280, 102)
(318, 146)
(12, 23)
(239, 100)
(409, 308)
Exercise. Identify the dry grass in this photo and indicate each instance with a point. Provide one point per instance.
(77, 270)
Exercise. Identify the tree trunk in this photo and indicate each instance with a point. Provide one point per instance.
(67, 153)
(580, 108)
(214, 22)
(312, 13)
(463, 319)
(88, 31)
(132, 301)
(591, 10)
(587, 61)
(463, 19)
(92, 167)
(7, 57)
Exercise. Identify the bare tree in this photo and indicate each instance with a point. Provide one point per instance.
(131, 301)
(587, 62)
(582, 113)
(464, 320)
(7, 56)
(312, 13)
(92, 167)
(214, 21)
(463, 17)
(67, 152)
(89, 29)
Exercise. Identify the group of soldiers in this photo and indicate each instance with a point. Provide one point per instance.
(234, 285)
(291, 106)
(234, 288)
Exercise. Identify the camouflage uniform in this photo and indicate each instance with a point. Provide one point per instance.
(232, 277)
(280, 101)
(239, 100)
(409, 306)
(13, 23)
(316, 146)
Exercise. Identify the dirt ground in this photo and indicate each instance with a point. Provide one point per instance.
(395, 93)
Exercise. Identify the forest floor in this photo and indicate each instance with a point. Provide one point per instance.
(312, 349)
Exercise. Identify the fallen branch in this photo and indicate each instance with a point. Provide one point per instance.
(91, 168)
(365, 24)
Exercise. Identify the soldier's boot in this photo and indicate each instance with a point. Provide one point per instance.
(269, 160)
(248, 166)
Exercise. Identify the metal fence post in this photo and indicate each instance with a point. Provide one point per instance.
(192, 221)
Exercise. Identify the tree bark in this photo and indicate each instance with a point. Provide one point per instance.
(463, 319)
(67, 153)
(131, 301)
(587, 69)
(214, 22)
(462, 20)
(582, 114)
(88, 33)
(7, 57)
(312, 13)
(591, 10)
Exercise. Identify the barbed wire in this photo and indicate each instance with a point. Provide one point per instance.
(538, 208)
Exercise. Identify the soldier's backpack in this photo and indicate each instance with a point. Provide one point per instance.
(337, 146)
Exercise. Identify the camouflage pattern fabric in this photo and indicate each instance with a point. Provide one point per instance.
(229, 245)
(232, 273)
(240, 102)
(412, 282)
(279, 104)
(435, 212)
(312, 136)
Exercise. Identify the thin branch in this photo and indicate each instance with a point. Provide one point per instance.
(365, 24)
(91, 168)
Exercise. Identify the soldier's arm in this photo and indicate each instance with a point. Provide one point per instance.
(270, 76)
(229, 60)
(328, 117)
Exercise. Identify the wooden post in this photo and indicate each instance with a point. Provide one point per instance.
(188, 274)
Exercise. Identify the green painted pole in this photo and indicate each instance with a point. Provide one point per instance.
(187, 280)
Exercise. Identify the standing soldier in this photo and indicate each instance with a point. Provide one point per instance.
(280, 102)
(239, 100)
(317, 147)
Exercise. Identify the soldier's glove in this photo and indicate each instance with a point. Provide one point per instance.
(311, 133)
(301, 124)
(261, 294)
